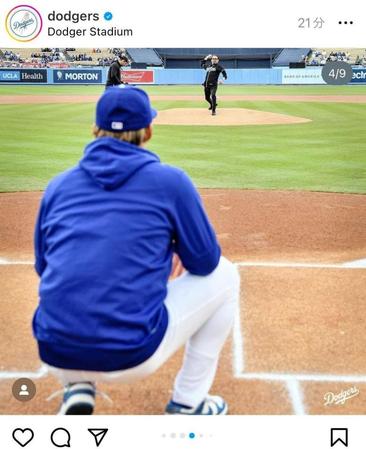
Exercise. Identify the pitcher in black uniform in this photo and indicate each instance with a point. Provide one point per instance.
(213, 71)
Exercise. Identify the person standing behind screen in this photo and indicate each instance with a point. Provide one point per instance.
(114, 77)
(213, 72)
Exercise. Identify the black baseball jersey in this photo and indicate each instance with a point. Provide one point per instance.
(213, 71)
(114, 74)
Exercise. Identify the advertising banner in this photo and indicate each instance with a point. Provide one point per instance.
(359, 75)
(74, 76)
(138, 76)
(23, 76)
(302, 76)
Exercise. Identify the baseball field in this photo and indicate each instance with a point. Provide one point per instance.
(281, 170)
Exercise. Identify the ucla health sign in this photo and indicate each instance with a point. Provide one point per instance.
(23, 75)
(63, 76)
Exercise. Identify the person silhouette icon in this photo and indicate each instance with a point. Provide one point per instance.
(23, 390)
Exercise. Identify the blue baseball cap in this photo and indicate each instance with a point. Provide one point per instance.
(124, 108)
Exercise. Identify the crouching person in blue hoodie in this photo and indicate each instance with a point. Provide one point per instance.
(110, 232)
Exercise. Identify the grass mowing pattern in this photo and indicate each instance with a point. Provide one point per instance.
(327, 154)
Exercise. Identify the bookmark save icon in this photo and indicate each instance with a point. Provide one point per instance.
(98, 435)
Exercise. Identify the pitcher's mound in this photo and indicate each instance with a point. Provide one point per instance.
(224, 117)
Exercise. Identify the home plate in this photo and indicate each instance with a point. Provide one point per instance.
(224, 117)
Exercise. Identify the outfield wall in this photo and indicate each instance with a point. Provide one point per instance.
(158, 76)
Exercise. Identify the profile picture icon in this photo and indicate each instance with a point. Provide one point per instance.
(24, 389)
(23, 23)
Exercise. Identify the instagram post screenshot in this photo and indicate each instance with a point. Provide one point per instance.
(182, 225)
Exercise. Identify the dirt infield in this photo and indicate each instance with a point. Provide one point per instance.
(299, 330)
(50, 99)
(251, 225)
(224, 117)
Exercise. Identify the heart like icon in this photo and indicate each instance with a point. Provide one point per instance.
(23, 436)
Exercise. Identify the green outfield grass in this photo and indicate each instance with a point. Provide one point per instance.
(189, 90)
(327, 154)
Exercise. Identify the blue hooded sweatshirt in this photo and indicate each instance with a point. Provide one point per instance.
(104, 241)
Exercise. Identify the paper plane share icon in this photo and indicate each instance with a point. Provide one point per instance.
(98, 435)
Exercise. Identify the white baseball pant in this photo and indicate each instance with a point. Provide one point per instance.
(201, 312)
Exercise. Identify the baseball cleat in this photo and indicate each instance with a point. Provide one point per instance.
(210, 108)
(212, 405)
(213, 112)
(79, 399)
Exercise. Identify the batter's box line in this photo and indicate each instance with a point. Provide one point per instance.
(239, 339)
(354, 264)
(302, 377)
(41, 372)
(293, 385)
(4, 261)
(291, 380)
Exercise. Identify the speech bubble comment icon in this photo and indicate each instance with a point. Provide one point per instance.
(61, 437)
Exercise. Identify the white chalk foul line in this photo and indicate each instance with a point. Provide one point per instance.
(295, 392)
(238, 342)
(303, 377)
(19, 374)
(347, 265)
(4, 261)
(293, 385)
(360, 263)
(292, 381)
